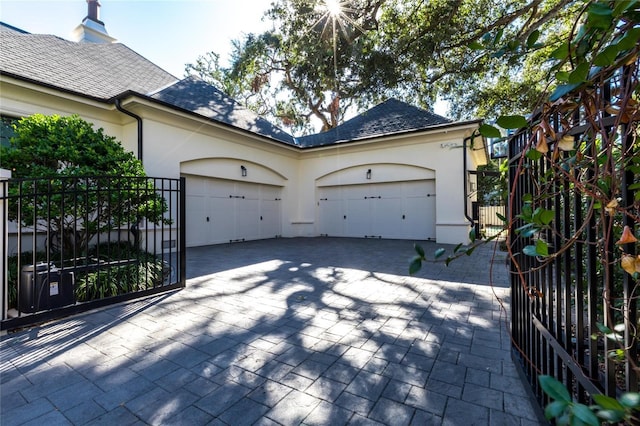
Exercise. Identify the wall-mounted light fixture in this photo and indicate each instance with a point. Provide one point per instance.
(243, 169)
(369, 174)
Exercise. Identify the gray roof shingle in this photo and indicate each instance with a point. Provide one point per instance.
(195, 95)
(100, 70)
(106, 70)
(390, 117)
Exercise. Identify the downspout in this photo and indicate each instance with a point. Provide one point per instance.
(464, 178)
(139, 120)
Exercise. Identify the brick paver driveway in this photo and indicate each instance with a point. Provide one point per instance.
(288, 331)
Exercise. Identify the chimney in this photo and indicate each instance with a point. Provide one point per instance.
(93, 10)
(92, 29)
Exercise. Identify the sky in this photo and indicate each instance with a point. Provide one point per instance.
(169, 33)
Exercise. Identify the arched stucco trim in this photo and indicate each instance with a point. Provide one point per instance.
(232, 169)
(375, 173)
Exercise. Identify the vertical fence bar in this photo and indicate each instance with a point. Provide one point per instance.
(182, 235)
(583, 285)
(99, 265)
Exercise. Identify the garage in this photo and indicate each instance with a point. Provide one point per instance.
(223, 211)
(402, 210)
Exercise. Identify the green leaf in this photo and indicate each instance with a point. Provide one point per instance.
(607, 403)
(498, 36)
(599, 15)
(607, 57)
(579, 74)
(530, 251)
(561, 52)
(533, 155)
(603, 328)
(456, 248)
(474, 45)
(527, 198)
(418, 248)
(415, 265)
(448, 261)
(562, 76)
(472, 235)
(622, 6)
(530, 231)
(512, 121)
(562, 90)
(501, 217)
(554, 388)
(489, 131)
(611, 416)
(470, 251)
(585, 415)
(439, 252)
(542, 248)
(555, 409)
(546, 216)
(620, 328)
(630, 400)
(629, 40)
(533, 37)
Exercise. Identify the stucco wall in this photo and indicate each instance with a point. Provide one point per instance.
(176, 143)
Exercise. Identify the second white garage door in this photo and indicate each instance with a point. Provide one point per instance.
(222, 211)
(403, 210)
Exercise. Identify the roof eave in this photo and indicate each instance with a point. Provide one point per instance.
(436, 127)
(130, 93)
(53, 87)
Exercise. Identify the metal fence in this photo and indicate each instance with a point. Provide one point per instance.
(574, 309)
(70, 244)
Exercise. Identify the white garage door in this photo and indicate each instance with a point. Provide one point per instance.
(404, 210)
(222, 211)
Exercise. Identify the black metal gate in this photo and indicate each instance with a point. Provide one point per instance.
(574, 308)
(70, 244)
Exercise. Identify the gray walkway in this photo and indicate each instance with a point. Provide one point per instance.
(313, 331)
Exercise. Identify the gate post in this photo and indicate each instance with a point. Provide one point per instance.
(5, 175)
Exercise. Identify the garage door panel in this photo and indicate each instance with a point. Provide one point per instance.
(236, 211)
(220, 188)
(270, 214)
(195, 218)
(387, 217)
(331, 217)
(222, 224)
(389, 210)
(248, 220)
(358, 223)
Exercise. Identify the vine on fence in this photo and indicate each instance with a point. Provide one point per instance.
(583, 139)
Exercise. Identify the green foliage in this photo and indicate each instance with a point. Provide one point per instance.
(115, 268)
(121, 269)
(416, 262)
(567, 412)
(468, 51)
(591, 170)
(71, 162)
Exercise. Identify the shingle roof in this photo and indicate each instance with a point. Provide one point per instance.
(101, 70)
(197, 96)
(107, 70)
(389, 117)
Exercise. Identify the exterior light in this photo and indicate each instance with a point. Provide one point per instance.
(243, 169)
(369, 174)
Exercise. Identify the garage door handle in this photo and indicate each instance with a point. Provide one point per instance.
(260, 217)
(207, 218)
(403, 217)
(345, 216)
